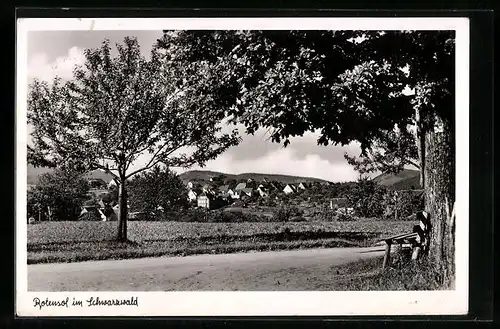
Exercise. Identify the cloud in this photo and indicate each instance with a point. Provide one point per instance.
(303, 157)
(258, 145)
(284, 161)
(40, 67)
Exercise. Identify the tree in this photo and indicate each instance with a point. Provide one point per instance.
(389, 153)
(117, 109)
(59, 195)
(349, 86)
(159, 187)
(367, 198)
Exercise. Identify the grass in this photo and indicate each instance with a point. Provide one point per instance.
(82, 241)
(402, 275)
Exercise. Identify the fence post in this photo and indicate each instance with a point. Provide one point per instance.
(387, 256)
(416, 252)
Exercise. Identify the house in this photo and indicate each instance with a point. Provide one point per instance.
(233, 194)
(247, 191)
(91, 212)
(302, 186)
(223, 189)
(289, 188)
(336, 203)
(263, 191)
(204, 201)
(192, 195)
(112, 184)
(207, 188)
(190, 185)
(240, 187)
(97, 183)
(345, 210)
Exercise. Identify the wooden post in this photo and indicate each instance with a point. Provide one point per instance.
(387, 256)
(416, 252)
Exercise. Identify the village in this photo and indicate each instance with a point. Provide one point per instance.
(213, 194)
(313, 197)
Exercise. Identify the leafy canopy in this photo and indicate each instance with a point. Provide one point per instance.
(346, 85)
(159, 188)
(116, 109)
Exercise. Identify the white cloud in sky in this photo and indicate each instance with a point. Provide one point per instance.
(283, 161)
(39, 66)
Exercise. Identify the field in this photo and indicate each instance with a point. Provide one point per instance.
(80, 241)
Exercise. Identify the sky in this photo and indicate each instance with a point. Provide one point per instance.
(57, 52)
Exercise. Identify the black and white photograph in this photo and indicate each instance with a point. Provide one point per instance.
(237, 166)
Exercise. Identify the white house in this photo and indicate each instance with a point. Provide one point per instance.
(302, 186)
(112, 183)
(263, 192)
(289, 188)
(190, 185)
(233, 194)
(192, 195)
(204, 201)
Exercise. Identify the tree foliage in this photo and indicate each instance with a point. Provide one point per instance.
(63, 191)
(348, 85)
(117, 109)
(159, 188)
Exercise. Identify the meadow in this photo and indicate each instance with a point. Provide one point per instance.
(86, 240)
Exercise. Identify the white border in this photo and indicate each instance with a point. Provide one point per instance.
(257, 303)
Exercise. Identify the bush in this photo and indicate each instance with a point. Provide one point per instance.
(368, 198)
(285, 213)
(402, 204)
(58, 196)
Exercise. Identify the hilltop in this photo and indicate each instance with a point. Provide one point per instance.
(404, 180)
(205, 175)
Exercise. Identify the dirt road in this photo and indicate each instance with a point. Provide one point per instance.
(255, 271)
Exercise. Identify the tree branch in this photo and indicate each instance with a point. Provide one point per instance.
(107, 170)
(413, 163)
(154, 161)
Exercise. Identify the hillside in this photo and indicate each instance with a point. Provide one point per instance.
(34, 173)
(205, 175)
(405, 180)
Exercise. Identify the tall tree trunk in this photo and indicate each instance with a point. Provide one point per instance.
(122, 212)
(440, 198)
(420, 140)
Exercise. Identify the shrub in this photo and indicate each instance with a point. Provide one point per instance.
(285, 213)
(402, 204)
(367, 198)
(157, 187)
(58, 196)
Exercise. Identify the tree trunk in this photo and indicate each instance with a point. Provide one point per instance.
(122, 212)
(420, 140)
(440, 198)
